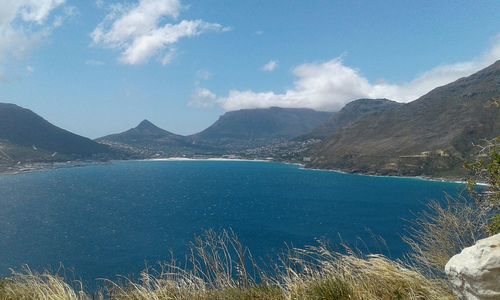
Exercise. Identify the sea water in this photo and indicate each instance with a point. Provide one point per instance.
(106, 220)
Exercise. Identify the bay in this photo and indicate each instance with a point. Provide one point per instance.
(105, 220)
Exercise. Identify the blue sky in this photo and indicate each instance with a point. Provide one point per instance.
(100, 67)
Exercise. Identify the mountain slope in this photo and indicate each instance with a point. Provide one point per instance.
(27, 137)
(146, 133)
(148, 140)
(255, 127)
(431, 135)
(350, 113)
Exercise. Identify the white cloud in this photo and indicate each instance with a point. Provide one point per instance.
(36, 10)
(270, 66)
(24, 24)
(30, 69)
(168, 57)
(140, 32)
(203, 98)
(68, 12)
(330, 85)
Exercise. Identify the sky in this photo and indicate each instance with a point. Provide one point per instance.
(97, 67)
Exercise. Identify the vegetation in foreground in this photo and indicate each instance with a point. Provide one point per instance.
(444, 229)
(220, 267)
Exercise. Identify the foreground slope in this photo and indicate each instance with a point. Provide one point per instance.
(429, 136)
(27, 137)
(248, 128)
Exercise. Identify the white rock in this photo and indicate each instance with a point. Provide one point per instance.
(475, 272)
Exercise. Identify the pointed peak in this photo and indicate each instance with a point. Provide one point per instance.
(146, 125)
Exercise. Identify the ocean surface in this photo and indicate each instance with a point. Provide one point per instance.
(104, 220)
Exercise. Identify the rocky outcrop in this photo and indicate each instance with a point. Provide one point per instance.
(475, 272)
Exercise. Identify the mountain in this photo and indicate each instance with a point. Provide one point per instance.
(432, 135)
(234, 131)
(148, 140)
(146, 133)
(27, 137)
(350, 113)
(248, 128)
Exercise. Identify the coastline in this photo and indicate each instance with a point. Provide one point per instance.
(203, 159)
(426, 178)
(47, 166)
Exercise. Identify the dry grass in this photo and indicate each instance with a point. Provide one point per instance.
(319, 273)
(443, 230)
(219, 267)
(28, 285)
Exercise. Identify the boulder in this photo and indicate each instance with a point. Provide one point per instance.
(475, 272)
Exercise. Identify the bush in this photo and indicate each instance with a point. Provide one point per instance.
(486, 168)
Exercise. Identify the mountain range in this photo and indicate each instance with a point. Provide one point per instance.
(233, 131)
(432, 135)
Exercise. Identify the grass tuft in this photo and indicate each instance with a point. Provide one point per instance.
(28, 285)
(319, 273)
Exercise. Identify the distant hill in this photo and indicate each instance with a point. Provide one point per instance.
(148, 140)
(256, 127)
(27, 137)
(349, 114)
(146, 133)
(432, 135)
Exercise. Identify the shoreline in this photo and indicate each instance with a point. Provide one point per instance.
(41, 167)
(426, 178)
(202, 159)
(47, 166)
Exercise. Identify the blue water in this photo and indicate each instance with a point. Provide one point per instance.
(104, 220)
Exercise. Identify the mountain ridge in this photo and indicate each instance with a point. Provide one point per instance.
(26, 136)
(350, 113)
(256, 127)
(433, 134)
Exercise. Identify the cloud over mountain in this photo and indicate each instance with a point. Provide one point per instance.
(331, 84)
